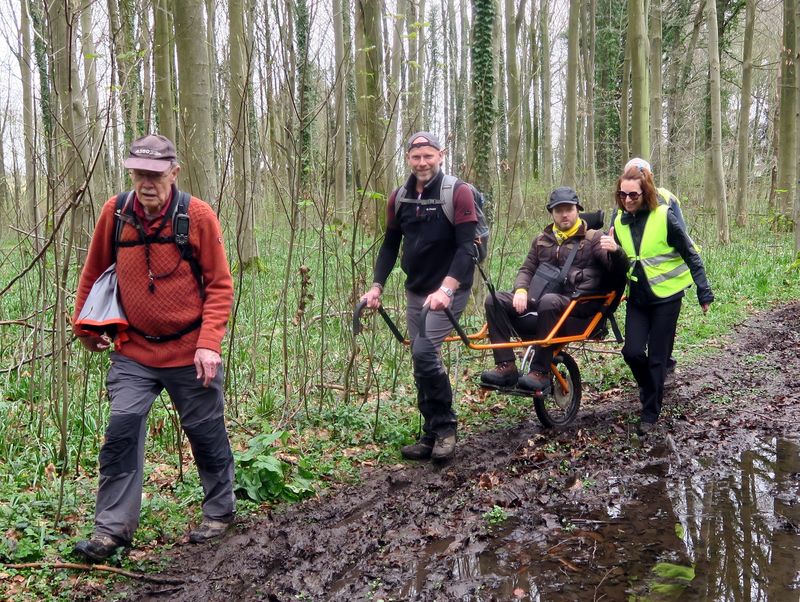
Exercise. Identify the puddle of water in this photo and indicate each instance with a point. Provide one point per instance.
(733, 538)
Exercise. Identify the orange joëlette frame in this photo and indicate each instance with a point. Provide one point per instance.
(551, 338)
(559, 342)
(483, 333)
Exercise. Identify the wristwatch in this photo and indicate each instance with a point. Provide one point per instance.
(446, 290)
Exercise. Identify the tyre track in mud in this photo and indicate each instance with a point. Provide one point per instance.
(369, 540)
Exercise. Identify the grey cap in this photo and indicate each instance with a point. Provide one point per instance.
(563, 195)
(151, 153)
(430, 140)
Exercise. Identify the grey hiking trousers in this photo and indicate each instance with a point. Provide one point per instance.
(132, 389)
(434, 394)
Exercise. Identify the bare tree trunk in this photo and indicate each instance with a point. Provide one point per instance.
(370, 106)
(624, 100)
(69, 192)
(415, 16)
(787, 145)
(569, 176)
(796, 208)
(163, 67)
(394, 88)
(640, 94)
(463, 98)
(547, 132)
(588, 35)
(73, 131)
(145, 50)
(25, 60)
(533, 110)
(4, 188)
(656, 87)
(432, 70)
(121, 18)
(241, 52)
(744, 114)
(341, 52)
(196, 139)
(449, 38)
(513, 24)
(500, 130)
(717, 175)
(213, 73)
(98, 185)
(675, 102)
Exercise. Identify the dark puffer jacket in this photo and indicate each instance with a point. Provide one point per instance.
(593, 269)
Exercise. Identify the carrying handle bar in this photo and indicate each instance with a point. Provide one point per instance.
(423, 316)
(357, 328)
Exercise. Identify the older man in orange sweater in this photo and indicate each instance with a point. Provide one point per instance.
(177, 306)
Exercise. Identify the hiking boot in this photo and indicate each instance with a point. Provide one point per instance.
(209, 529)
(421, 450)
(444, 447)
(504, 374)
(643, 428)
(534, 381)
(98, 547)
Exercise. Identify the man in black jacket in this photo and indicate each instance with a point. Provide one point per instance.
(438, 263)
(593, 267)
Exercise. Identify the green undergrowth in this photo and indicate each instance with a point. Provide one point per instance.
(309, 405)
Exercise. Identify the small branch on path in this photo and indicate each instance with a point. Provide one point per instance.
(765, 417)
(95, 567)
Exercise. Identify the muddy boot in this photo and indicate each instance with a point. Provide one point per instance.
(209, 529)
(504, 374)
(535, 381)
(644, 428)
(98, 547)
(445, 447)
(421, 450)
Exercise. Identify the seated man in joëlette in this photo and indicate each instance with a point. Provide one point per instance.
(596, 262)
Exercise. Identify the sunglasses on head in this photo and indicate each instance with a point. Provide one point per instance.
(621, 194)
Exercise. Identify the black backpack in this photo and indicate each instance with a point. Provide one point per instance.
(446, 192)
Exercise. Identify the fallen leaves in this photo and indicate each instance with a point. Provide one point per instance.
(488, 480)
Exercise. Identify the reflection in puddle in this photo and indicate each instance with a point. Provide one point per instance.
(683, 538)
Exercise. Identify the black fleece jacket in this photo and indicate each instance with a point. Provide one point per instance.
(433, 248)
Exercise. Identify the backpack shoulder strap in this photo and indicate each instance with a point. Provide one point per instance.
(120, 205)
(181, 211)
(446, 193)
(568, 264)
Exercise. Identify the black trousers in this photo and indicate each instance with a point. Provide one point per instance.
(536, 322)
(649, 334)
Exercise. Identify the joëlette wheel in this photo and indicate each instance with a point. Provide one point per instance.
(560, 406)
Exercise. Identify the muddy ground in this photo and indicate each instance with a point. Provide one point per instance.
(419, 531)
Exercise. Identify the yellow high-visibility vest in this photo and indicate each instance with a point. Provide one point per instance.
(666, 272)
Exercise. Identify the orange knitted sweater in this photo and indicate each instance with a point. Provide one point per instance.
(174, 301)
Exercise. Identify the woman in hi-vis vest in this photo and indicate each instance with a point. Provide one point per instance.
(663, 264)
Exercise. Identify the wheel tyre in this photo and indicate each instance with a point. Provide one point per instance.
(556, 407)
